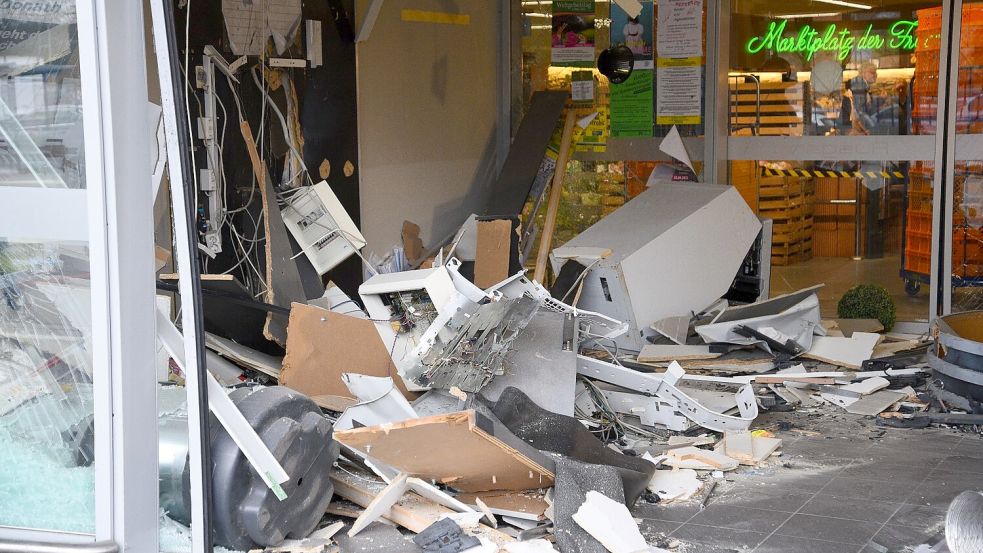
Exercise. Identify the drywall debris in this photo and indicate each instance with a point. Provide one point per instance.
(846, 352)
(610, 523)
(531, 546)
(675, 485)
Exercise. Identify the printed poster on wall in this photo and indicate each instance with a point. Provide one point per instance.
(631, 105)
(679, 62)
(634, 32)
(679, 91)
(573, 33)
(680, 29)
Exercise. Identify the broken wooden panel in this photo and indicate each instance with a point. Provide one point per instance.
(451, 449)
(491, 262)
(411, 511)
(323, 345)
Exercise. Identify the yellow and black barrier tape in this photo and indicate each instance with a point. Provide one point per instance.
(824, 174)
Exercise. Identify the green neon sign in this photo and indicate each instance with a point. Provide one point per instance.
(809, 40)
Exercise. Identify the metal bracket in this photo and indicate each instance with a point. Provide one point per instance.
(664, 387)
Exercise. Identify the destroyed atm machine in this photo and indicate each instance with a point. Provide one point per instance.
(672, 251)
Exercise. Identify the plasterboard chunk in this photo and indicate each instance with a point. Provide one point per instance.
(847, 352)
(610, 523)
(672, 485)
(738, 445)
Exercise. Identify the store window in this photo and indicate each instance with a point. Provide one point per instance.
(867, 71)
(967, 187)
(46, 341)
(614, 154)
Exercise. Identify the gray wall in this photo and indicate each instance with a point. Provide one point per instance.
(428, 112)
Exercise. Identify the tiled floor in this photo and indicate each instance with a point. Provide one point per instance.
(848, 493)
(839, 274)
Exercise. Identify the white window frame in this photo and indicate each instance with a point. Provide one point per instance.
(120, 232)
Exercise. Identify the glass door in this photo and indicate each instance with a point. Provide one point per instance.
(964, 292)
(75, 202)
(829, 137)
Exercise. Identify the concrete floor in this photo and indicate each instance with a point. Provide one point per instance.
(853, 488)
(839, 274)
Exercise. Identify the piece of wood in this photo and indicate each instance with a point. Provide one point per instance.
(492, 252)
(322, 345)
(411, 511)
(342, 510)
(174, 276)
(527, 505)
(581, 252)
(887, 349)
(450, 449)
(244, 356)
(738, 445)
(334, 403)
(653, 353)
(699, 459)
(779, 379)
(556, 192)
(380, 504)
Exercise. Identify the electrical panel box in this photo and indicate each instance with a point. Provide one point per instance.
(322, 227)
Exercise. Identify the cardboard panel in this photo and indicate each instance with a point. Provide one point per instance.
(321, 345)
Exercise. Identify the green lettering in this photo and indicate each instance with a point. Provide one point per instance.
(756, 44)
(903, 35)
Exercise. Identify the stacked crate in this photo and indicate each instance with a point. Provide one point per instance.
(788, 201)
(967, 236)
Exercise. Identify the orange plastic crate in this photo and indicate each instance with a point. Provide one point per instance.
(917, 262)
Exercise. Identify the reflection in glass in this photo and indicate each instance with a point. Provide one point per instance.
(46, 411)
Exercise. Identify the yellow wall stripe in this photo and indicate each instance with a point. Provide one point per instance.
(420, 16)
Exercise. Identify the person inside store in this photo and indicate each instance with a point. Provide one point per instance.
(864, 106)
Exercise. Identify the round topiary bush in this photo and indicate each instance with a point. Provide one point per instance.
(868, 301)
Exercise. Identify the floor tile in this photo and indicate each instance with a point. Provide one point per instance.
(889, 471)
(940, 490)
(825, 528)
(897, 538)
(721, 538)
(655, 530)
(784, 496)
(918, 516)
(962, 463)
(672, 512)
(739, 517)
(853, 509)
(866, 488)
(789, 544)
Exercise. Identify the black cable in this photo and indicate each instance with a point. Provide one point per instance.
(187, 172)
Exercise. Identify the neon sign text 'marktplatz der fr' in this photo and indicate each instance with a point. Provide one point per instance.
(809, 40)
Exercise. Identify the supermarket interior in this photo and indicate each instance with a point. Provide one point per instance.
(826, 125)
